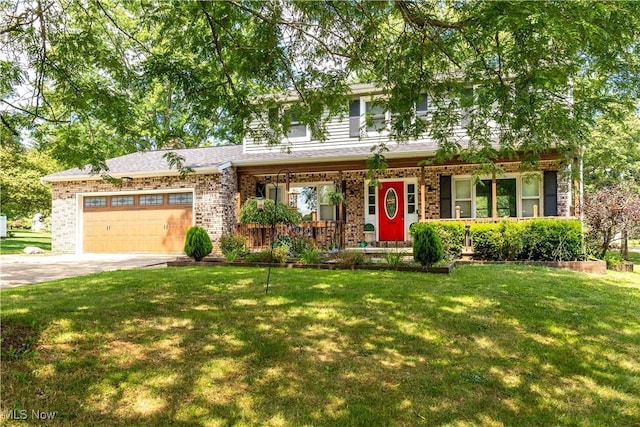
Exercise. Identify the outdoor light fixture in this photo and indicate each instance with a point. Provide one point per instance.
(293, 199)
(260, 203)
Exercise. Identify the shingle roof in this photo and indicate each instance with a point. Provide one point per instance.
(207, 159)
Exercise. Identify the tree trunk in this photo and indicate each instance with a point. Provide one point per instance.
(624, 245)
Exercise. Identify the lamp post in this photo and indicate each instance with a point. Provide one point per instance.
(273, 224)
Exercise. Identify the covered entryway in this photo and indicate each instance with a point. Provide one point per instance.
(145, 223)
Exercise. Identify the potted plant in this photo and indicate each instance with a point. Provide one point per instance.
(369, 233)
(336, 197)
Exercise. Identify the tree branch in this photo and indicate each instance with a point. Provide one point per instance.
(32, 114)
(216, 42)
(422, 21)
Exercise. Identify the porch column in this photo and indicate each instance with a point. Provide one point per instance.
(423, 196)
(339, 188)
(494, 196)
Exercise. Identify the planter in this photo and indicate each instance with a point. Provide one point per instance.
(210, 261)
(369, 237)
(625, 266)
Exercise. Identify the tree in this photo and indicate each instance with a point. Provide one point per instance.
(22, 192)
(613, 155)
(156, 74)
(609, 212)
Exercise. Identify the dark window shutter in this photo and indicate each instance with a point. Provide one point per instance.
(445, 196)
(354, 118)
(550, 193)
(261, 190)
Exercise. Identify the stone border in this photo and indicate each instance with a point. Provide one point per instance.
(596, 267)
(214, 262)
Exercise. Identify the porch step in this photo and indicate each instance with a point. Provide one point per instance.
(376, 250)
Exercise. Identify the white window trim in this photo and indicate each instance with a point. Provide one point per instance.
(518, 177)
(363, 118)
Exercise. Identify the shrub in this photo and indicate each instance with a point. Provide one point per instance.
(296, 244)
(351, 258)
(452, 237)
(280, 254)
(427, 246)
(394, 259)
(310, 256)
(552, 240)
(535, 240)
(283, 215)
(233, 244)
(487, 241)
(197, 243)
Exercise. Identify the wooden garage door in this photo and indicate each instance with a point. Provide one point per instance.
(155, 223)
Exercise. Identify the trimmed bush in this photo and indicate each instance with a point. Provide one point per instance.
(310, 256)
(427, 246)
(533, 240)
(452, 236)
(552, 240)
(197, 243)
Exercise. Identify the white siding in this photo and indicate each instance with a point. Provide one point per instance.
(337, 137)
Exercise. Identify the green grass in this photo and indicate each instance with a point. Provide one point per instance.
(486, 345)
(23, 238)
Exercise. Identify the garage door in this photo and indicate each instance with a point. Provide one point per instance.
(148, 223)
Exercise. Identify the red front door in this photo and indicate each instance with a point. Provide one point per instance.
(391, 211)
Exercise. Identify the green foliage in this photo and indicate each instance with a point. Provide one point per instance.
(249, 213)
(310, 256)
(613, 260)
(296, 244)
(427, 247)
(259, 256)
(22, 192)
(233, 244)
(394, 259)
(351, 258)
(452, 237)
(281, 254)
(533, 240)
(197, 243)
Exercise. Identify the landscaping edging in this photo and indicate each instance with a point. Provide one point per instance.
(210, 262)
(597, 267)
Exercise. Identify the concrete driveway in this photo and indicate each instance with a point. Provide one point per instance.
(17, 270)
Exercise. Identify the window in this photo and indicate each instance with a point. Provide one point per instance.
(282, 191)
(122, 201)
(422, 108)
(411, 198)
(530, 195)
(375, 119)
(515, 197)
(181, 199)
(371, 199)
(296, 129)
(462, 198)
(151, 200)
(95, 202)
(326, 210)
(466, 106)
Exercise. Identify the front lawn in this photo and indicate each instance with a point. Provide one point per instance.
(486, 345)
(23, 238)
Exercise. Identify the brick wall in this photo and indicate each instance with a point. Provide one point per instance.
(355, 196)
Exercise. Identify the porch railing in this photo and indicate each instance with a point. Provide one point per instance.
(322, 234)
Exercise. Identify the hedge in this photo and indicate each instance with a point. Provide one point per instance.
(533, 240)
(452, 236)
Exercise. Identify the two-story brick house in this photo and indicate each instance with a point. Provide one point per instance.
(150, 209)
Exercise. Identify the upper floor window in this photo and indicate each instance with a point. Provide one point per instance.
(297, 131)
(375, 118)
(466, 106)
